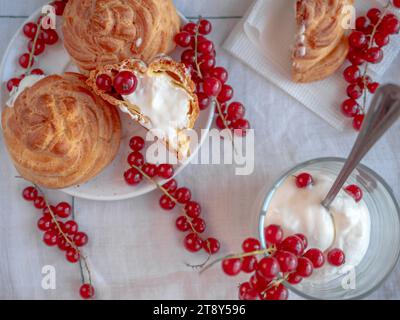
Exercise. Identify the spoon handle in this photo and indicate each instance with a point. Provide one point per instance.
(383, 112)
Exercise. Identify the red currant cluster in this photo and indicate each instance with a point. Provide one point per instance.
(211, 80)
(372, 33)
(284, 260)
(125, 82)
(64, 234)
(190, 221)
(38, 39)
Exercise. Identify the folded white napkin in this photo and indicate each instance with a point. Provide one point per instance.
(262, 40)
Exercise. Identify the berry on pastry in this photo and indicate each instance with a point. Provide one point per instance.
(58, 132)
(98, 32)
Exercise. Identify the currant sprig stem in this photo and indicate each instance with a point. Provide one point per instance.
(35, 39)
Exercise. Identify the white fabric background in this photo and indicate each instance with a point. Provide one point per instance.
(134, 249)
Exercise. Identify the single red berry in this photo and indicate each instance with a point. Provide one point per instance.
(304, 180)
(199, 39)
(49, 36)
(59, 7)
(30, 29)
(204, 100)
(287, 261)
(190, 27)
(305, 267)
(356, 57)
(354, 92)
(72, 255)
(235, 111)
(24, 61)
(104, 82)
(188, 56)
(292, 244)
(273, 234)
(86, 291)
(336, 257)
(358, 121)
(240, 127)
(39, 47)
(381, 39)
(372, 87)
(182, 224)
(199, 225)
(150, 169)
(220, 123)
(226, 93)
(268, 267)
(39, 202)
(80, 239)
(63, 210)
(390, 25)
(258, 282)
(165, 171)
(316, 257)
(125, 83)
(349, 108)
(171, 185)
(220, 73)
(46, 211)
(37, 72)
(45, 223)
(205, 27)
(136, 143)
(249, 264)
(231, 267)
(212, 87)
(50, 237)
(192, 242)
(70, 227)
(63, 244)
(133, 176)
(206, 62)
(206, 47)
(250, 245)
(193, 209)
(294, 278)
(361, 23)
(167, 203)
(303, 238)
(183, 195)
(374, 14)
(396, 3)
(279, 292)
(357, 39)
(30, 193)
(182, 39)
(355, 191)
(374, 55)
(135, 159)
(211, 245)
(351, 74)
(14, 82)
(247, 293)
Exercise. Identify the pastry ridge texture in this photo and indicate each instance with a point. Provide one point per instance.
(59, 133)
(98, 32)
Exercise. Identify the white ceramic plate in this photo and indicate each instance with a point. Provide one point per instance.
(110, 184)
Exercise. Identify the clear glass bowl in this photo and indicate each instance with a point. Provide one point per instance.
(384, 247)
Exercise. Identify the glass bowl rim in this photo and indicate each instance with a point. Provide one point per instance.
(363, 167)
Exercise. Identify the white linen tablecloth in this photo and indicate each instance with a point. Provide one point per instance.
(135, 251)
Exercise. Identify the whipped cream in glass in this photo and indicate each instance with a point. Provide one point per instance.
(346, 226)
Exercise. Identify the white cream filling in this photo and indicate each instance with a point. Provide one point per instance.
(300, 211)
(26, 82)
(165, 104)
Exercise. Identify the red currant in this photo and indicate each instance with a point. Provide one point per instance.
(231, 267)
(206, 47)
(249, 264)
(70, 227)
(37, 71)
(357, 39)
(183, 195)
(205, 27)
(287, 261)
(183, 39)
(39, 202)
(211, 245)
(63, 244)
(258, 282)
(303, 238)
(50, 237)
(351, 74)
(192, 242)
(199, 225)
(39, 47)
(381, 39)
(212, 87)
(361, 23)
(268, 267)
(165, 171)
(171, 185)
(354, 92)
(316, 257)
(273, 234)
(24, 61)
(182, 224)
(396, 3)
(358, 121)
(355, 57)
(349, 108)
(240, 127)
(193, 209)
(304, 180)
(190, 27)
(206, 62)
(374, 14)
(292, 244)
(372, 87)
(220, 73)
(167, 203)
(188, 57)
(220, 123)
(86, 291)
(204, 100)
(72, 255)
(59, 7)
(226, 93)
(49, 36)
(354, 191)
(278, 292)
(104, 82)
(30, 193)
(150, 169)
(294, 278)
(133, 176)
(30, 30)
(247, 293)
(251, 244)
(14, 82)
(135, 159)
(125, 82)
(136, 143)
(305, 267)
(80, 239)
(336, 257)
(374, 55)
(390, 25)
(63, 210)
(235, 111)
(45, 223)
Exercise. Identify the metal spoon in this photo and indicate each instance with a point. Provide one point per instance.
(383, 112)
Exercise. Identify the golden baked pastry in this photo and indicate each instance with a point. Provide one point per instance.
(59, 133)
(164, 100)
(98, 32)
(321, 44)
